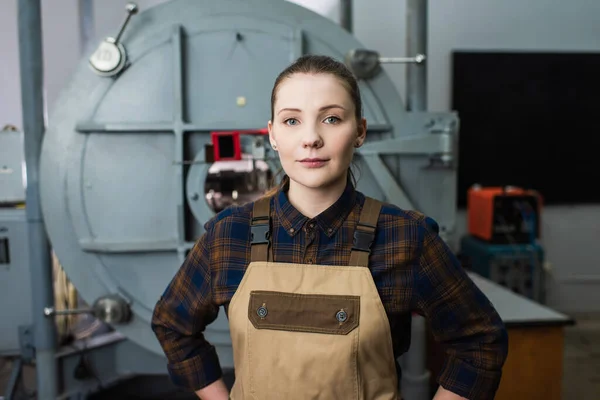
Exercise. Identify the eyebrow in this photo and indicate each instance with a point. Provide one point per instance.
(324, 108)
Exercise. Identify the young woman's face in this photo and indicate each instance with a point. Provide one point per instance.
(314, 129)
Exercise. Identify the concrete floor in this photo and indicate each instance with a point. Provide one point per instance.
(581, 379)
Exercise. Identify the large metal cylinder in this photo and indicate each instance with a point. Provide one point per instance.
(123, 165)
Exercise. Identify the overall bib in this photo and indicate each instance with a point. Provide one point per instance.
(302, 331)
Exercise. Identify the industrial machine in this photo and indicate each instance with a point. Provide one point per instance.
(501, 244)
(126, 157)
(504, 214)
(14, 266)
(235, 178)
(518, 267)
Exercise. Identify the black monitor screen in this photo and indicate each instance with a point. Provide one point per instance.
(529, 119)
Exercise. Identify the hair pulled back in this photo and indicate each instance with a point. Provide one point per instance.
(319, 64)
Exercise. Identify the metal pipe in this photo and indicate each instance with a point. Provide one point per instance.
(346, 15)
(86, 24)
(32, 100)
(415, 376)
(416, 44)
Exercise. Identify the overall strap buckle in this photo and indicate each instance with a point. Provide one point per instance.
(364, 232)
(260, 231)
(364, 235)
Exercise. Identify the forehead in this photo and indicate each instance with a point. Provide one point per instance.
(311, 90)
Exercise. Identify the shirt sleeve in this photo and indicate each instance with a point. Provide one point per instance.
(462, 319)
(180, 318)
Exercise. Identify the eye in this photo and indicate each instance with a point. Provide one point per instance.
(332, 120)
(291, 121)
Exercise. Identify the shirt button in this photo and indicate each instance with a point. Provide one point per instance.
(330, 230)
(311, 225)
(291, 230)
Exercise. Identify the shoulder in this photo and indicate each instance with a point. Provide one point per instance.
(393, 216)
(235, 218)
(232, 217)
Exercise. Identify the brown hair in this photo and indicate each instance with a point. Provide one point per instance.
(319, 64)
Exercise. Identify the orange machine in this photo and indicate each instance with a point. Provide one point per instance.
(504, 214)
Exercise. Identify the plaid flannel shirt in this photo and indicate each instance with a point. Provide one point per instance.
(412, 267)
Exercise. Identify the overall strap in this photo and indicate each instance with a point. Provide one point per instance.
(261, 230)
(364, 233)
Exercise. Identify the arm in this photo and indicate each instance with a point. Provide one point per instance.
(462, 319)
(179, 320)
(443, 394)
(216, 390)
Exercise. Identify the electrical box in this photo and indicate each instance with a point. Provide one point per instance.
(504, 215)
(15, 278)
(518, 267)
(227, 144)
(12, 188)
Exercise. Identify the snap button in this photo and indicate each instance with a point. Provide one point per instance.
(262, 311)
(341, 316)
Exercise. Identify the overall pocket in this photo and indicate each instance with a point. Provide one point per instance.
(303, 346)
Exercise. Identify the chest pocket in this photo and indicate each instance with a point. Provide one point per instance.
(310, 313)
(298, 338)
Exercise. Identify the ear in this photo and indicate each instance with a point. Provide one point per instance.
(271, 135)
(361, 132)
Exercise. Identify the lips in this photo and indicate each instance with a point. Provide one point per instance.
(309, 160)
(313, 162)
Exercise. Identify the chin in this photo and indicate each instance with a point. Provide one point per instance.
(316, 180)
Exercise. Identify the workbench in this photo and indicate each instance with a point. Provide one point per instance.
(534, 367)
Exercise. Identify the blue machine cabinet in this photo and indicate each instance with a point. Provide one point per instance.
(519, 267)
(15, 309)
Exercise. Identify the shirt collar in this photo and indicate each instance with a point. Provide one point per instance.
(329, 220)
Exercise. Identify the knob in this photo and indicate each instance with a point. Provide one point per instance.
(111, 309)
(366, 64)
(111, 57)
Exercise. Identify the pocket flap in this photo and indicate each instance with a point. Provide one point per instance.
(314, 313)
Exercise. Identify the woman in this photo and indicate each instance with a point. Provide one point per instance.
(318, 280)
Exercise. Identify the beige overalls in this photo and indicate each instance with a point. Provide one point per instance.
(303, 331)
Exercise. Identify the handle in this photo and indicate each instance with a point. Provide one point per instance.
(418, 59)
(131, 9)
(112, 309)
(51, 311)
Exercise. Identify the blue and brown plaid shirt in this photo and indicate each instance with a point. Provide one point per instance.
(412, 267)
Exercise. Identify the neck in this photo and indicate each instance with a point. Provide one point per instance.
(313, 201)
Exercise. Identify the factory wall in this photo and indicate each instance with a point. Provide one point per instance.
(568, 231)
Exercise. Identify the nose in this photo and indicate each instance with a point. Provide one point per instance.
(312, 139)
